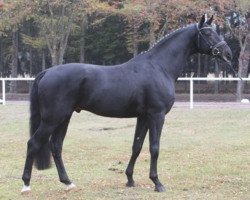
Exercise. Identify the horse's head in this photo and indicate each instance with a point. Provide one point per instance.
(209, 42)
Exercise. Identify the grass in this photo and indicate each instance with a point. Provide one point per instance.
(205, 154)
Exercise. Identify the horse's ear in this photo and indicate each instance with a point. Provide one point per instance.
(201, 21)
(209, 22)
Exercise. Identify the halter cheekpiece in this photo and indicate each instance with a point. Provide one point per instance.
(214, 48)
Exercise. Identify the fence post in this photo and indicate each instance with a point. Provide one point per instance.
(3, 91)
(191, 93)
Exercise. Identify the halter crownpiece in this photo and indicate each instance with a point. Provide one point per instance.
(214, 48)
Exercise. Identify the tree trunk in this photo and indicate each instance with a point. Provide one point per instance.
(199, 72)
(14, 63)
(84, 25)
(243, 66)
(43, 61)
(135, 41)
(54, 58)
(135, 48)
(1, 59)
(31, 62)
(151, 34)
(57, 50)
(216, 73)
(205, 70)
(57, 55)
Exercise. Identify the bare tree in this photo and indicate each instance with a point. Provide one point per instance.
(244, 39)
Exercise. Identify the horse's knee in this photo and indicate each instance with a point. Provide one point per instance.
(154, 151)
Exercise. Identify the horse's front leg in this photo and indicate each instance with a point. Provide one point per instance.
(156, 122)
(140, 133)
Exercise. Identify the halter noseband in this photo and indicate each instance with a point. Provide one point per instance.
(214, 48)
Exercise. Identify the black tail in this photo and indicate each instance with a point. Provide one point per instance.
(43, 157)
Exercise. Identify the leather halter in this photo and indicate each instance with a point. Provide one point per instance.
(214, 48)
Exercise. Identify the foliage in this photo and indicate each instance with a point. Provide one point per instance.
(107, 31)
(14, 13)
(35, 42)
(103, 46)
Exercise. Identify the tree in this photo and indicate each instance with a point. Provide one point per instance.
(105, 47)
(240, 27)
(159, 16)
(55, 19)
(85, 9)
(35, 42)
(14, 12)
(133, 17)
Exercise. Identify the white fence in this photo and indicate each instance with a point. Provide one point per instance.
(3, 100)
(190, 79)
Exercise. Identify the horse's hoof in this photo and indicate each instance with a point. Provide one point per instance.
(26, 189)
(70, 187)
(160, 188)
(130, 184)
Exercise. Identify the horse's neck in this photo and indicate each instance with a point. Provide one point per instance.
(171, 53)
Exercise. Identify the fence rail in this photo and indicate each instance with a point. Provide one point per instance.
(3, 80)
(190, 79)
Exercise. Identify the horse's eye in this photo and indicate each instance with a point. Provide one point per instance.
(208, 32)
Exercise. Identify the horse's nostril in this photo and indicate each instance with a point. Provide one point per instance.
(229, 56)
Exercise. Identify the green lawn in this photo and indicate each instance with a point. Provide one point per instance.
(205, 154)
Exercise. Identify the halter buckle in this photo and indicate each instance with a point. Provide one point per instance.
(215, 51)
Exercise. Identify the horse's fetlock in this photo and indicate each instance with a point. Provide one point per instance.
(26, 179)
(65, 181)
(129, 172)
(153, 176)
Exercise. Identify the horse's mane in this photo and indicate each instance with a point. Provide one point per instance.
(167, 37)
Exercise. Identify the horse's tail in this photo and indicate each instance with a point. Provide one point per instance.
(42, 158)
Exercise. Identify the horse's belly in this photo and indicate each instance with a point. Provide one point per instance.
(111, 111)
(113, 107)
(115, 114)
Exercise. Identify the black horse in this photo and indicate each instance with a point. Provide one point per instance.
(143, 87)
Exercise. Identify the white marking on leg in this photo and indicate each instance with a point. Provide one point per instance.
(70, 187)
(25, 189)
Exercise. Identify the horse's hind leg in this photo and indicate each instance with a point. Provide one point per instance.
(140, 133)
(34, 144)
(56, 143)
